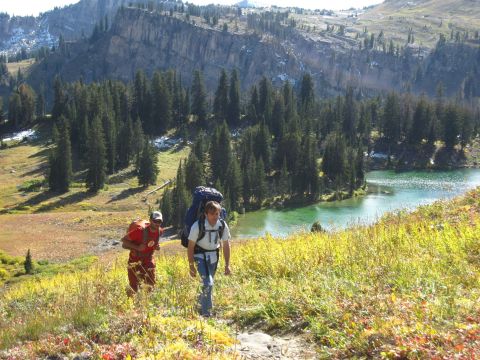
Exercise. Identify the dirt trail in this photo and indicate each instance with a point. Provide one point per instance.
(261, 346)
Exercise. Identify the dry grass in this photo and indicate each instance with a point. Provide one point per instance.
(64, 226)
(23, 65)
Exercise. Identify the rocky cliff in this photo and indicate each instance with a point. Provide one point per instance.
(150, 40)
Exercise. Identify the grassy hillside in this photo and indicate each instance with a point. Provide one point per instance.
(63, 226)
(427, 19)
(407, 287)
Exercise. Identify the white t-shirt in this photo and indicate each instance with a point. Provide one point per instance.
(210, 241)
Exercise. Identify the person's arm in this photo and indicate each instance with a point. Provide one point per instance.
(226, 256)
(191, 261)
(127, 243)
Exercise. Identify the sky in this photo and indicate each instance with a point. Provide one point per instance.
(34, 7)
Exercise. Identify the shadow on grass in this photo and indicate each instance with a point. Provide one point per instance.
(41, 153)
(121, 177)
(126, 193)
(67, 200)
(39, 170)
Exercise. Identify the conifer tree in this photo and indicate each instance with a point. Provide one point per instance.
(148, 169)
(248, 180)
(110, 133)
(125, 144)
(60, 159)
(138, 142)
(97, 163)
(194, 173)
(28, 264)
(167, 206)
(278, 117)
(234, 100)
(59, 98)
(260, 183)
(421, 123)
(451, 128)
(220, 152)
(141, 107)
(181, 198)
(220, 102)
(349, 116)
(15, 109)
(265, 100)
(199, 99)
(307, 95)
(334, 162)
(161, 104)
(391, 119)
(253, 106)
(200, 147)
(233, 184)
(284, 179)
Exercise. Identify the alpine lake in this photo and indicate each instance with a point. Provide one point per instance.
(387, 191)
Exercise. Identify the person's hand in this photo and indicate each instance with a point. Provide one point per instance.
(193, 271)
(227, 270)
(157, 247)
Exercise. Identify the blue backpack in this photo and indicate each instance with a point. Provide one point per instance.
(196, 211)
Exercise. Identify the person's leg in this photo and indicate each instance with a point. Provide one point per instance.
(150, 274)
(207, 272)
(132, 278)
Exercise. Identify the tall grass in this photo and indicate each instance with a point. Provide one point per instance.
(408, 287)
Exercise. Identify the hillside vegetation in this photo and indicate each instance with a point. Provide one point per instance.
(406, 287)
(62, 227)
(427, 19)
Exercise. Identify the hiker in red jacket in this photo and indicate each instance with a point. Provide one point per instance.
(142, 240)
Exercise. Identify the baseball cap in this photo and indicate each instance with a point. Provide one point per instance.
(156, 216)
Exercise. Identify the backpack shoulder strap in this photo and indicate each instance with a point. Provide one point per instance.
(221, 228)
(201, 227)
(145, 235)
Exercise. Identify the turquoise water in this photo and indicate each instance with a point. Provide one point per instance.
(387, 191)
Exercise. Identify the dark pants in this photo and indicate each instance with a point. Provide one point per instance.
(141, 272)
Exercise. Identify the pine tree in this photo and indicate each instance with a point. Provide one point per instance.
(220, 102)
(60, 159)
(199, 99)
(161, 104)
(421, 122)
(234, 100)
(168, 210)
(28, 264)
(125, 144)
(194, 172)
(59, 98)
(148, 169)
(138, 142)
(97, 163)
(284, 180)
(233, 184)
(260, 184)
(307, 95)
(181, 199)
(220, 152)
(278, 117)
(253, 106)
(391, 119)
(334, 162)
(110, 133)
(349, 116)
(265, 100)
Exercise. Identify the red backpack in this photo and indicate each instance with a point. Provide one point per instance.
(143, 225)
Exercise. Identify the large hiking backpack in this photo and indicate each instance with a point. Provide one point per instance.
(196, 211)
(142, 225)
